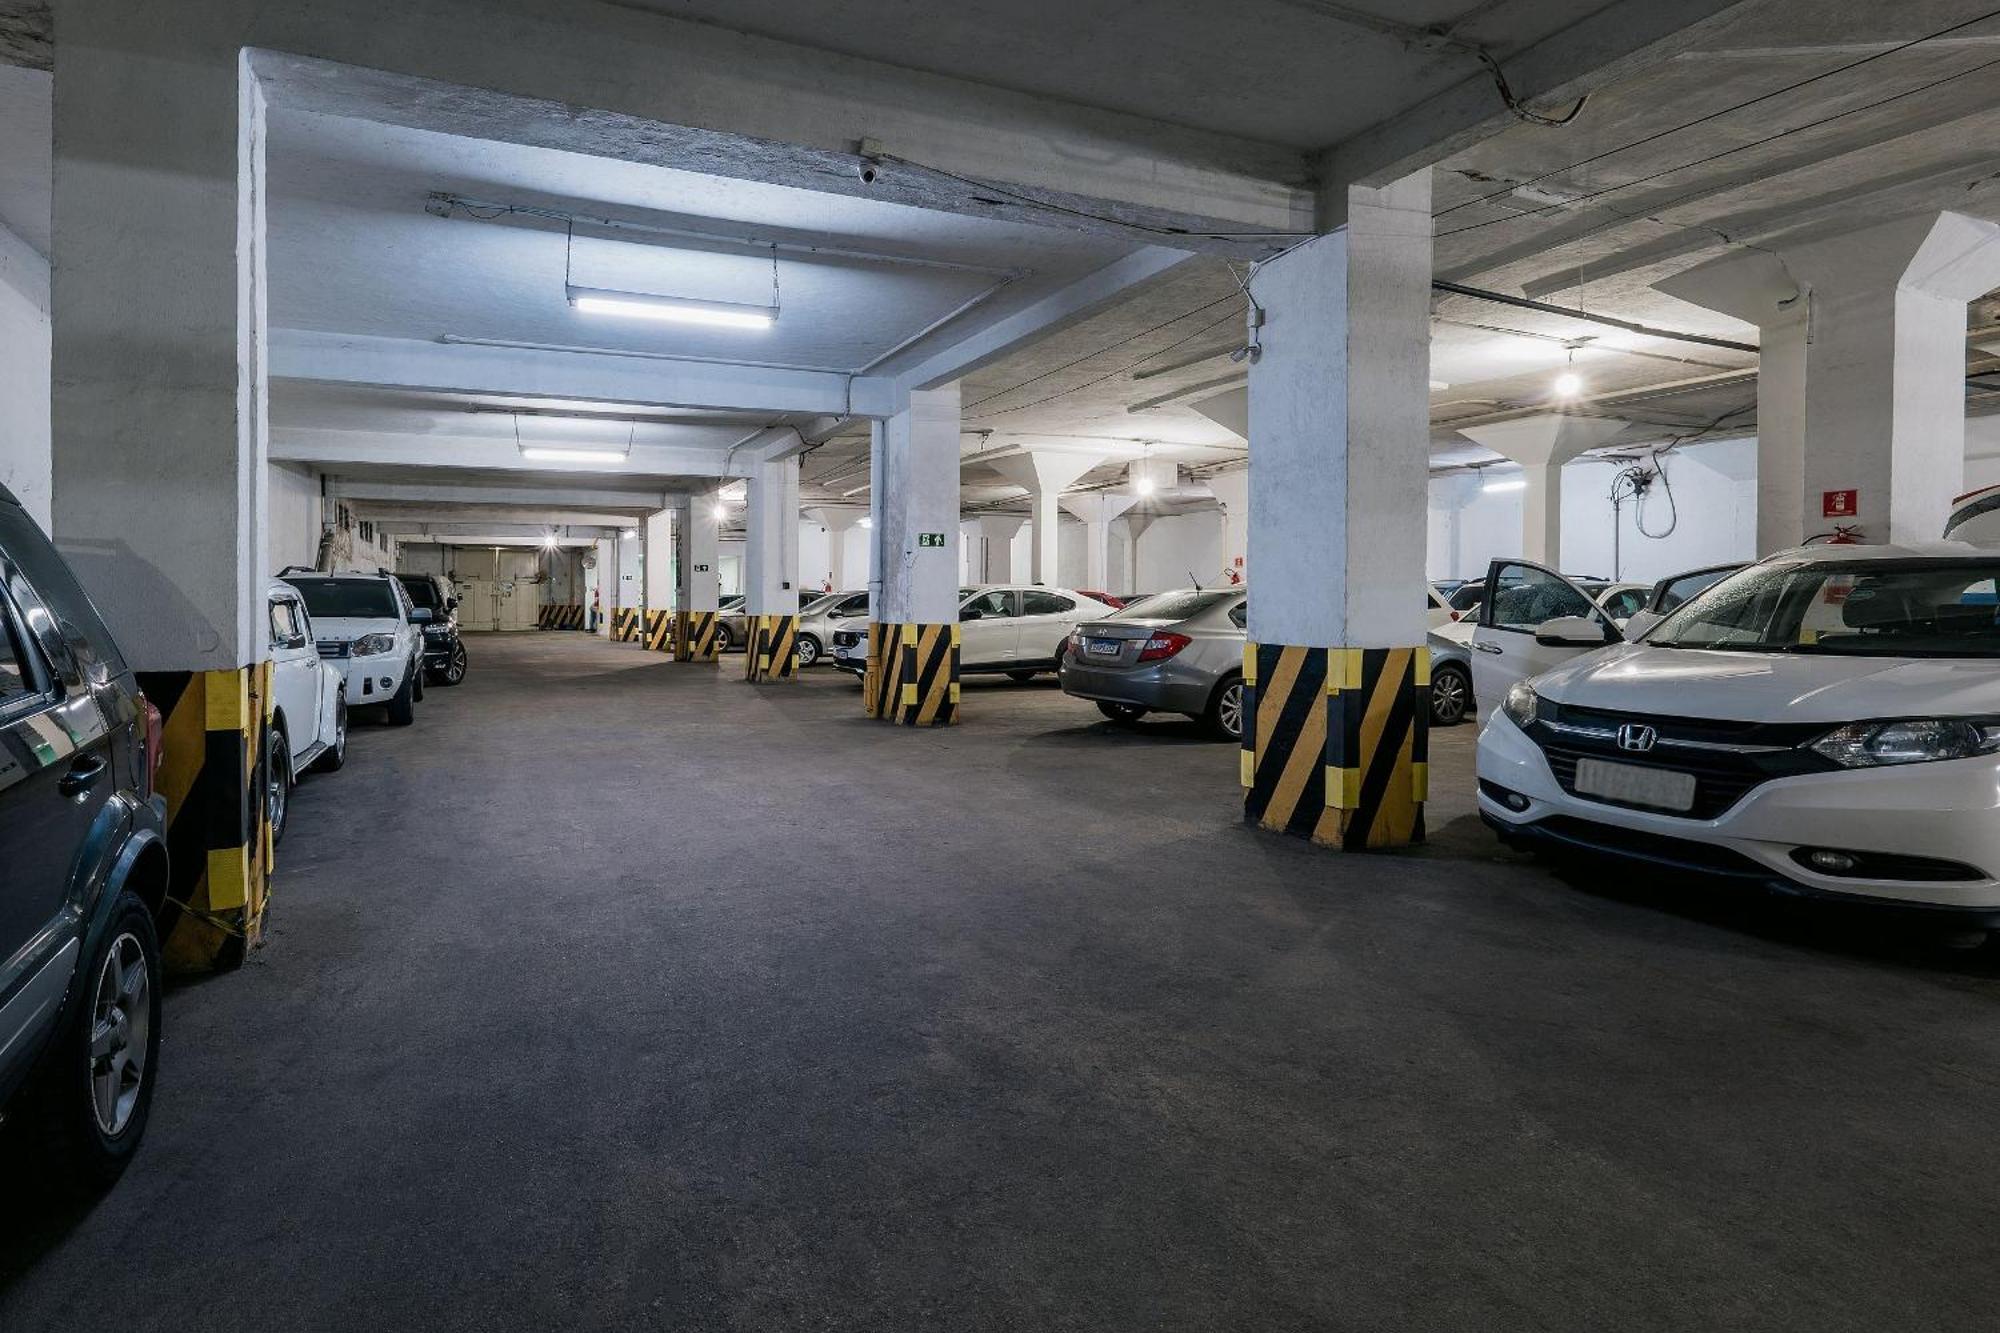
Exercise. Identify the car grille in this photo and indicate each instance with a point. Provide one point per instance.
(333, 647)
(846, 638)
(1727, 759)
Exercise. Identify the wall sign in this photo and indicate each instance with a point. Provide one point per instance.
(930, 539)
(701, 569)
(1839, 504)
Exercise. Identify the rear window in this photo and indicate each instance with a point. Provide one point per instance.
(1183, 605)
(423, 592)
(50, 577)
(355, 599)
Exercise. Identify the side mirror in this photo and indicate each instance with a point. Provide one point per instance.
(451, 603)
(1574, 632)
(420, 615)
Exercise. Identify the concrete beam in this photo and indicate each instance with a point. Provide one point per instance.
(486, 534)
(598, 377)
(329, 449)
(1617, 40)
(426, 493)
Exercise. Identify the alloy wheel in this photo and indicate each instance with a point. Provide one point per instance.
(1448, 698)
(1229, 710)
(121, 1023)
(808, 652)
(277, 786)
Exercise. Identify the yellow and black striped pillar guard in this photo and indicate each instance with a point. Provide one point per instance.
(912, 673)
(560, 615)
(659, 631)
(1336, 743)
(694, 636)
(213, 778)
(773, 650)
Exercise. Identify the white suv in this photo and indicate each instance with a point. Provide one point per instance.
(1017, 630)
(367, 627)
(309, 705)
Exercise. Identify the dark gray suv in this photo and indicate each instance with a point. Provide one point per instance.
(83, 869)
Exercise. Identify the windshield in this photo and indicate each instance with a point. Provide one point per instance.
(1184, 604)
(358, 599)
(422, 591)
(1892, 608)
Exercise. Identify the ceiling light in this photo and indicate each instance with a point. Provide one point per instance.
(540, 454)
(1568, 384)
(549, 542)
(1515, 484)
(721, 511)
(867, 522)
(629, 533)
(672, 309)
(1144, 486)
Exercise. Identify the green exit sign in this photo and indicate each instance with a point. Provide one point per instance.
(930, 539)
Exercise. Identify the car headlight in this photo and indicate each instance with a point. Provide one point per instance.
(369, 645)
(1873, 744)
(1520, 704)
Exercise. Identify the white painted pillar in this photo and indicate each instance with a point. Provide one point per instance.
(837, 519)
(1339, 427)
(1542, 444)
(1135, 528)
(1232, 492)
(696, 552)
(1097, 509)
(1862, 372)
(771, 549)
(916, 512)
(659, 558)
(994, 534)
(1044, 474)
(158, 396)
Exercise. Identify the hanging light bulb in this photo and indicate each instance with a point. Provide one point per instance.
(1569, 384)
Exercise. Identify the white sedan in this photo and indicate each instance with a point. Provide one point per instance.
(1824, 722)
(1020, 631)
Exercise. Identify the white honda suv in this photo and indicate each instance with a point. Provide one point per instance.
(366, 625)
(1825, 722)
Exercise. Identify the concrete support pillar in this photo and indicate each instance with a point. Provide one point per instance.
(1232, 492)
(771, 571)
(1045, 474)
(912, 675)
(1336, 674)
(837, 519)
(1861, 384)
(1097, 509)
(993, 547)
(659, 539)
(1135, 528)
(697, 522)
(606, 609)
(160, 425)
(1542, 444)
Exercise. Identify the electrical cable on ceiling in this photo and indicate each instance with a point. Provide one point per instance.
(1724, 111)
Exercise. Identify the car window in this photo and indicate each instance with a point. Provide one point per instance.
(1466, 597)
(1624, 602)
(988, 606)
(422, 591)
(57, 589)
(1528, 596)
(1677, 591)
(1182, 605)
(285, 627)
(18, 681)
(1239, 615)
(853, 606)
(1037, 603)
(358, 599)
(1898, 608)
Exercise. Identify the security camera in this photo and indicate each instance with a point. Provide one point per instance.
(869, 172)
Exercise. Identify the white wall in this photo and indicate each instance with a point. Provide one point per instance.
(293, 491)
(24, 375)
(1179, 546)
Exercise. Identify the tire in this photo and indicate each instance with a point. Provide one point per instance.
(1121, 713)
(808, 651)
(402, 705)
(1021, 677)
(453, 671)
(721, 639)
(417, 679)
(1451, 695)
(334, 756)
(1225, 708)
(92, 1096)
(277, 781)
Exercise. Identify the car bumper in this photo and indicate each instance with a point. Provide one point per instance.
(854, 661)
(364, 677)
(1168, 687)
(1943, 812)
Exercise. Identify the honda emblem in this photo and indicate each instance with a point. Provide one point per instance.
(1636, 737)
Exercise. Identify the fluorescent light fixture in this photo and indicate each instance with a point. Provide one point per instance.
(1493, 487)
(629, 533)
(539, 454)
(549, 541)
(866, 521)
(1144, 486)
(672, 309)
(1568, 384)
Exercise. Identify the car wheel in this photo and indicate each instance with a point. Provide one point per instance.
(1121, 712)
(454, 666)
(94, 1091)
(808, 651)
(416, 680)
(331, 758)
(1020, 677)
(277, 781)
(722, 638)
(402, 707)
(1225, 709)
(1451, 696)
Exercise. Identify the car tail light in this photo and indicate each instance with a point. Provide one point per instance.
(1456, 614)
(1162, 646)
(155, 745)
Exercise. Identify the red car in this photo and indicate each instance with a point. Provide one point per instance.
(1103, 597)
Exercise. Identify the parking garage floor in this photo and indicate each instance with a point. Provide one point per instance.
(619, 994)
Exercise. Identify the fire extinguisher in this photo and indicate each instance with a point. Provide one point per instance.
(1842, 535)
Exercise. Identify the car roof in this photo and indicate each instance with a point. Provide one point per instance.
(333, 574)
(1830, 553)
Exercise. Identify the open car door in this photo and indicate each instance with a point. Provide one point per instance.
(1509, 645)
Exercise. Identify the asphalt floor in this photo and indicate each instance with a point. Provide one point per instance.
(623, 994)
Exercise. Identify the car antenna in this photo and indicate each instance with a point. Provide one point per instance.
(1195, 581)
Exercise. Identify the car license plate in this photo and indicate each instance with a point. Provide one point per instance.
(1660, 788)
(1105, 647)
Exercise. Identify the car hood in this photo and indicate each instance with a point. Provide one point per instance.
(346, 627)
(1773, 687)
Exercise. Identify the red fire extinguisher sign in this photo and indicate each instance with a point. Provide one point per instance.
(1839, 504)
